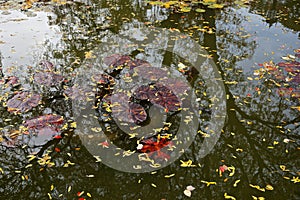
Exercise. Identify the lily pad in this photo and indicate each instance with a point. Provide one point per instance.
(43, 121)
(127, 111)
(48, 78)
(116, 60)
(216, 6)
(185, 9)
(160, 95)
(151, 73)
(200, 10)
(23, 102)
(46, 65)
(138, 62)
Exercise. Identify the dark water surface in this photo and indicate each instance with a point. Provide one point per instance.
(260, 138)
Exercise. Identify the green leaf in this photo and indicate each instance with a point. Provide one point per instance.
(200, 10)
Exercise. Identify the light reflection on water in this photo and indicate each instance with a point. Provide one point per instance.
(253, 137)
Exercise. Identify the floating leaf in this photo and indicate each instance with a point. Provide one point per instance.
(226, 196)
(89, 54)
(187, 193)
(46, 65)
(23, 102)
(137, 112)
(44, 120)
(218, 6)
(48, 78)
(116, 60)
(160, 95)
(269, 187)
(190, 188)
(200, 10)
(77, 92)
(127, 111)
(138, 63)
(185, 9)
(177, 86)
(151, 73)
(13, 81)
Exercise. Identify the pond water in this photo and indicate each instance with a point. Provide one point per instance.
(221, 112)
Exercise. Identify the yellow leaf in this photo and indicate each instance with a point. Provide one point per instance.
(236, 182)
(269, 187)
(169, 176)
(229, 197)
(296, 107)
(187, 163)
(208, 183)
(89, 54)
(73, 125)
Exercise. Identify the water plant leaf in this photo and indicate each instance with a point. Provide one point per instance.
(160, 95)
(151, 73)
(127, 111)
(200, 10)
(46, 65)
(48, 78)
(138, 63)
(44, 120)
(116, 60)
(23, 102)
(217, 6)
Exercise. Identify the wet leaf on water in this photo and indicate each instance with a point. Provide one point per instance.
(13, 81)
(226, 196)
(127, 111)
(46, 65)
(43, 121)
(89, 55)
(208, 183)
(160, 95)
(116, 60)
(48, 78)
(176, 85)
(138, 63)
(269, 187)
(187, 193)
(217, 6)
(23, 102)
(151, 73)
(200, 10)
(190, 188)
(103, 79)
(185, 9)
(137, 112)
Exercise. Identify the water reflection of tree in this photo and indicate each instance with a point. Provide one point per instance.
(250, 128)
(286, 12)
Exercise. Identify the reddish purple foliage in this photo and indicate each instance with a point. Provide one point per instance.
(46, 65)
(138, 63)
(127, 111)
(13, 81)
(103, 79)
(44, 120)
(48, 78)
(138, 113)
(116, 60)
(151, 73)
(160, 95)
(23, 102)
